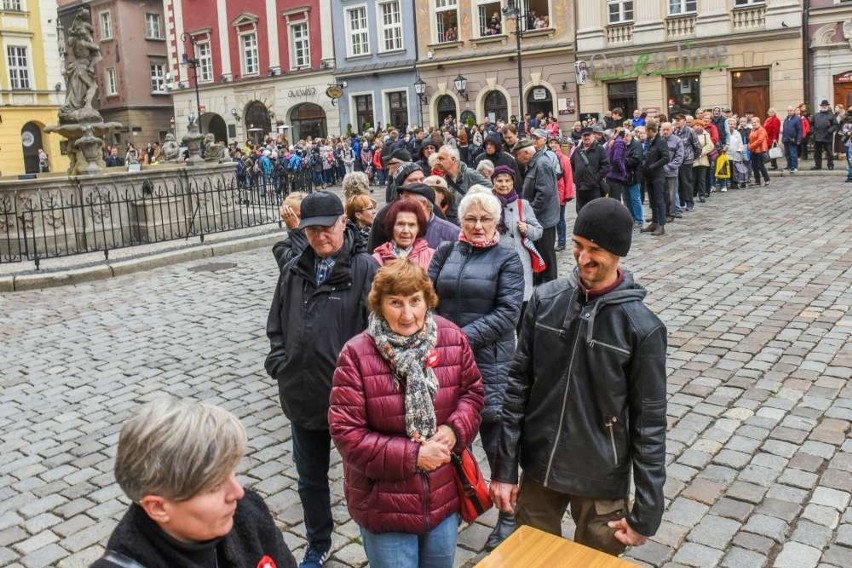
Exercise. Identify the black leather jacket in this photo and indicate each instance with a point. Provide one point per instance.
(586, 398)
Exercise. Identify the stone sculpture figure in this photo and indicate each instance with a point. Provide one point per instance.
(80, 75)
(213, 151)
(170, 149)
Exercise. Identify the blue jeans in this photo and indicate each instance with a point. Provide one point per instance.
(635, 192)
(848, 161)
(560, 228)
(311, 452)
(435, 549)
(791, 154)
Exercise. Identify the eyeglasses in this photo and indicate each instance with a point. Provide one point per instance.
(371, 208)
(474, 221)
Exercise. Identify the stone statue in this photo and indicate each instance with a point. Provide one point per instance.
(170, 149)
(213, 151)
(80, 75)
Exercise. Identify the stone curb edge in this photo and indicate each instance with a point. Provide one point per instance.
(22, 282)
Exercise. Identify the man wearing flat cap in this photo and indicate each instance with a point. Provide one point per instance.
(585, 406)
(320, 303)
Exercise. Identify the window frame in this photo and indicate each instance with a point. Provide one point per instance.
(205, 61)
(683, 7)
(479, 9)
(245, 53)
(13, 6)
(110, 82)
(108, 27)
(305, 40)
(384, 27)
(446, 7)
(20, 74)
(622, 12)
(362, 31)
(748, 3)
(356, 113)
(160, 31)
(157, 78)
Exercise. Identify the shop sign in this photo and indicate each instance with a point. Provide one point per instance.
(539, 94)
(685, 59)
(845, 78)
(303, 92)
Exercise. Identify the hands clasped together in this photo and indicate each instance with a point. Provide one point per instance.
(435, 451)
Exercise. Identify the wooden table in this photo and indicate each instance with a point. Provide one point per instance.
(532, 548)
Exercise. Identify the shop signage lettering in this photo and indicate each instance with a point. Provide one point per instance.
(303, 92)
(685, 59)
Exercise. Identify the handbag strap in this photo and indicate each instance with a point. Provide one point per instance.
(120, 560)
(520, 210)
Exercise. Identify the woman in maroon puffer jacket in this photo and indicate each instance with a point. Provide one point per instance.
(406, 393)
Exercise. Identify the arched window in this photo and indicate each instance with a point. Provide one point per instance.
(496, 107)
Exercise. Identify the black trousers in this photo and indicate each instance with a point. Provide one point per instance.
(657, 197)
(583, 196)
(684, 188)
(311, 452)
(545, 246)
(819, 148)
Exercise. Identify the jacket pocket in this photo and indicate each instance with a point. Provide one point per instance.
(595, 342)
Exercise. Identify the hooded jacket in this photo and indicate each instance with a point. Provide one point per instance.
(499, 157)
(539, 188)
(586, 400)
(309, 324)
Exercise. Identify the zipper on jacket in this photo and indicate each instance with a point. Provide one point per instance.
(610, 424)
(562, 414)
(561, 332)
(594, 342)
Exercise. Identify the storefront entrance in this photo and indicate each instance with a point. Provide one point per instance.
(843, 89)
(539, 101)
(750, 92)
(308, 119)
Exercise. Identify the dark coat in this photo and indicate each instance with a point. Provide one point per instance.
(385, 492)
(481, 290)
(824, 126)
(635, 158)
(586, 401)
(308, 326)
(791, 130)
(540, 189)
(656, 159)
(253, 536)
(588, 177)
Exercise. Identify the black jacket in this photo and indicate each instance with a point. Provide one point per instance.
(824, 126)
(635, 158)
(253, 536)
(589, 176)
(308, 326)
(586, 400)
(481, 291)
(539, 188)
(656, 158)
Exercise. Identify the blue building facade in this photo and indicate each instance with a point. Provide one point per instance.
(375, 46)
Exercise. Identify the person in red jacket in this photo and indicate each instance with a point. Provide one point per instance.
(772, 124)
(406, 394)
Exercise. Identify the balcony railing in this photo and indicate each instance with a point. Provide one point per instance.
(680, 26)
(619, 33)
(750, 18)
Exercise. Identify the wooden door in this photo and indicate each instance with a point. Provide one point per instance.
(842, 94)
(753, 98)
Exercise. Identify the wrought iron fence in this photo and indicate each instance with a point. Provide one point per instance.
(37, 224)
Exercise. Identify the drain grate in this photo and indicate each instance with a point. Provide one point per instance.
(213, 267)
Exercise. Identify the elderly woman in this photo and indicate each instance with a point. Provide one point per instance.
(485, 168)
(360, 212)
(758, 145)
(355, 183)
(517, 222)
(481, 287)
(406, 223)
(406, 394)
(176, 462)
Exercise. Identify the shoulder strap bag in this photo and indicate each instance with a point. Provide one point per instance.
(538, 263)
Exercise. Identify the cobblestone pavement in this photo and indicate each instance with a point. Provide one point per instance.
(755, 288)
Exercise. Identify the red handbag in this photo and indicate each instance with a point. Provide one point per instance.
(473, 491)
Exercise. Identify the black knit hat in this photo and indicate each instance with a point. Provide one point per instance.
(404, 171)
(607, 223)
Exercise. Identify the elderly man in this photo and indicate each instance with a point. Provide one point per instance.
(539, 138)
(585, 406)
(589, 165)
(791, 136)
(459, 177)
(672, 170)
(397, 158)
(824, 127)
(320, 303)
(539, 188)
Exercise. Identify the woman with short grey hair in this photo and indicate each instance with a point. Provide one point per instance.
(355, 183)
(480, 285)
(176, 462)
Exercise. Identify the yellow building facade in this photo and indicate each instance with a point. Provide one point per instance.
(31, 86)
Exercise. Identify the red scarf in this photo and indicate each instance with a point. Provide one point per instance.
(487, 244)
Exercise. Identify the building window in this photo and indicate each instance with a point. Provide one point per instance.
(398, 110)
(390, 21)
(106, 25)
(490, 19)
(205, 61)
(153, 26)
(111, 83)
(748, 2)
(13, 6)
(683, 94)
(364, 112)
(359, 35)
(679, 7)
(620, 11)
(158, 78)
(248, 43)
(447, 20)
(496, 107)
(538, 14)
(300, 49)
(19, 67)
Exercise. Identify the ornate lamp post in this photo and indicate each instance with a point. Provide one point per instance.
(420, 89)
(188, 61)
(460, 84)
(513, 10)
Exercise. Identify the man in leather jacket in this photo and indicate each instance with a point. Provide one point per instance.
(656, 158)
(586, 399)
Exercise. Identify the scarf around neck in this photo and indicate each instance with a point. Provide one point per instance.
(487, 244)
(407, 357)
(505, 200)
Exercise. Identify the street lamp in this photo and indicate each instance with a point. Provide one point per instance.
(461, 86)
(188, 61)
(420, 89)
(512, 10)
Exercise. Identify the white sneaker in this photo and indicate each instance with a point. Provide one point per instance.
(724, 189)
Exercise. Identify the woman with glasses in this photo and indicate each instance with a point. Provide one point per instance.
(361, 211)
(480, 285)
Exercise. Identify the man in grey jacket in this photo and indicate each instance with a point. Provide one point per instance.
(459, 177)
(672, 170)
(539, 188)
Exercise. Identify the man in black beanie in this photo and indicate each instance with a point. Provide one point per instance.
(586, 400)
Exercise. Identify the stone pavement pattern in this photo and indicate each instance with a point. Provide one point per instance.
(755, 288)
